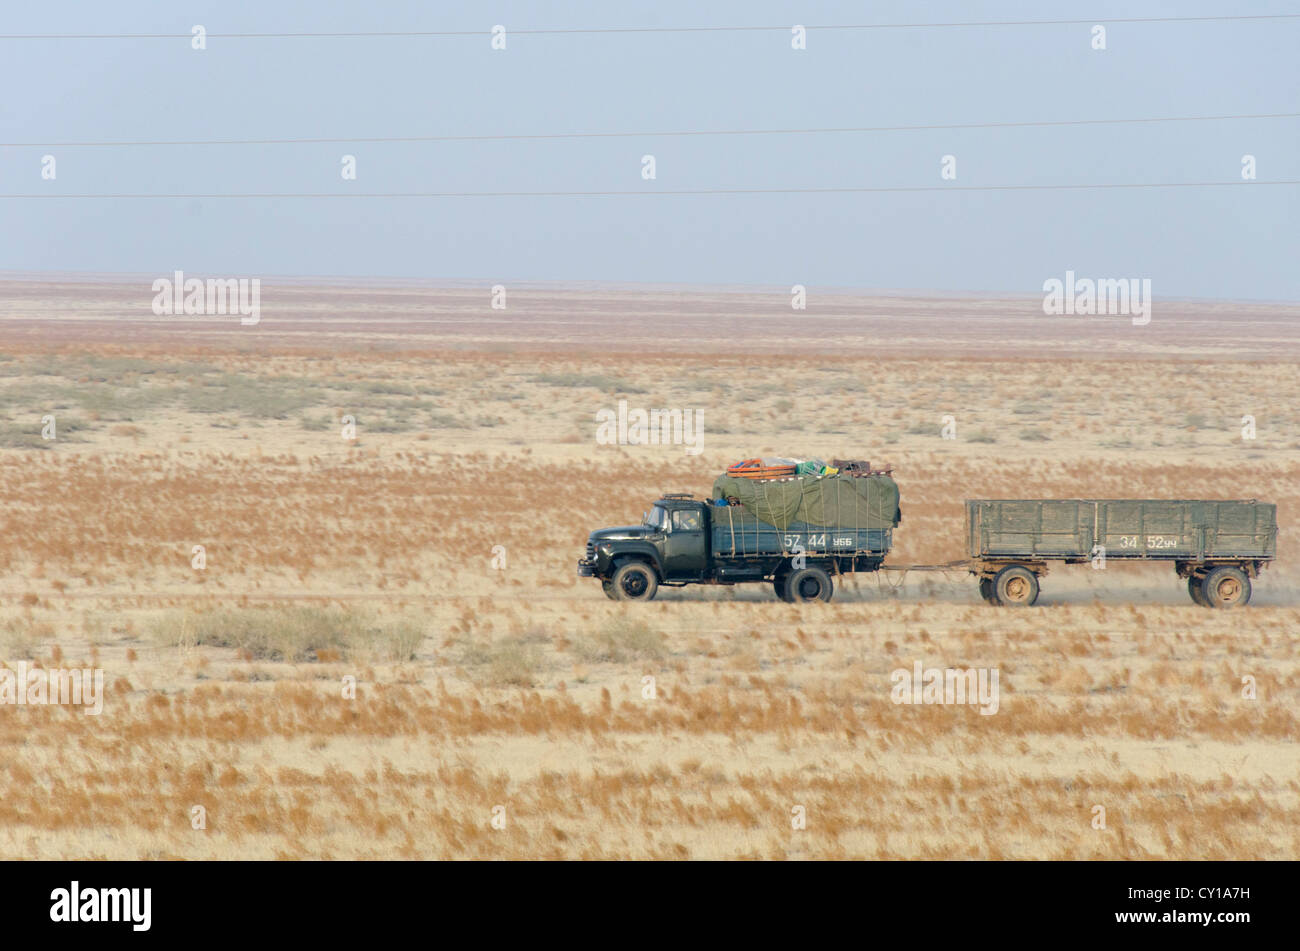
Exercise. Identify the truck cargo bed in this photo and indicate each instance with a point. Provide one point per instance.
(737, 534)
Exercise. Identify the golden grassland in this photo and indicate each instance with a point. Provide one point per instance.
(791, 709)
(522, 686)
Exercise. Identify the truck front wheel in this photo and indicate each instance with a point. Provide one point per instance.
(634, 581)
(808, 584)
(608, 588)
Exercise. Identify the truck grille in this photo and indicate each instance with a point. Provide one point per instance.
(591, 552)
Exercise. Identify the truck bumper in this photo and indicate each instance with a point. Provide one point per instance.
(586, 569)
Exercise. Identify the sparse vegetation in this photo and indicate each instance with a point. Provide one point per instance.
(594, 380)
(508, 661)
(291, 633)
(622, 639)
(328, 559)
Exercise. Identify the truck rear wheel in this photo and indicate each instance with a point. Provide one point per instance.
(809, 584)
(1194, 588)
(634, 581)
(1016, 586)
(1226, 587)
(778, 585)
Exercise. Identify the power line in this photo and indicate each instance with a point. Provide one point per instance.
(658, 134)
(646, 29)
(835, 190)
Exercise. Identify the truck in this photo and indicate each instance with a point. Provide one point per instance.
(683, 540)
(1218, 546)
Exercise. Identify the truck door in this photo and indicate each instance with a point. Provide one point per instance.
(684, 549)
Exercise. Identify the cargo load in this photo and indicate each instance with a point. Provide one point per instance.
(778, 467)
(867, 502)
(762, 468)
(859, 467)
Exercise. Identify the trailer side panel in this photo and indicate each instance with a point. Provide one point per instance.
(1184, 530)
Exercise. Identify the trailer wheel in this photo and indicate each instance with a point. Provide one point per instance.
(986, 591)
(608, 588)
(809, 584)
(1015, 586)
(778, 585)
(1226, 587)
(634, 581)
(1195, 590)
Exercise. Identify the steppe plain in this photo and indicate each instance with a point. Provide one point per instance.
(430, 561)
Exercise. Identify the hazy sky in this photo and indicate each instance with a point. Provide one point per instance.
(1236, 242)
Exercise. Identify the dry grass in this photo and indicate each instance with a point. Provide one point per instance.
(621, 639)
(1150, 726)
(331, 563)
(291, 633)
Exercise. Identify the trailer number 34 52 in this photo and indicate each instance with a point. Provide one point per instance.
(1152, 541)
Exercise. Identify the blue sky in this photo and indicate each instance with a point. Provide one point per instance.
(1238, 242)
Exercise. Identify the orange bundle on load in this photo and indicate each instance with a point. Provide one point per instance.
(761, 469)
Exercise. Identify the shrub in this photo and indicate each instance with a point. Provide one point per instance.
(316, 423)
(292, 634)
(622, 639)
(510, 661)
(597, 381)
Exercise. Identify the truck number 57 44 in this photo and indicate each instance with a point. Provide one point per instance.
(815, 541)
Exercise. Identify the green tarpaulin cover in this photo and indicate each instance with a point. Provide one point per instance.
(824, 501)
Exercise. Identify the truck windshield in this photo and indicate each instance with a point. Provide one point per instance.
(656, 517)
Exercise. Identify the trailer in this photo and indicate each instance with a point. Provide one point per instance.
(1217, 545)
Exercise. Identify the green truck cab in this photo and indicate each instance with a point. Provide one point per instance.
(683, 540)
